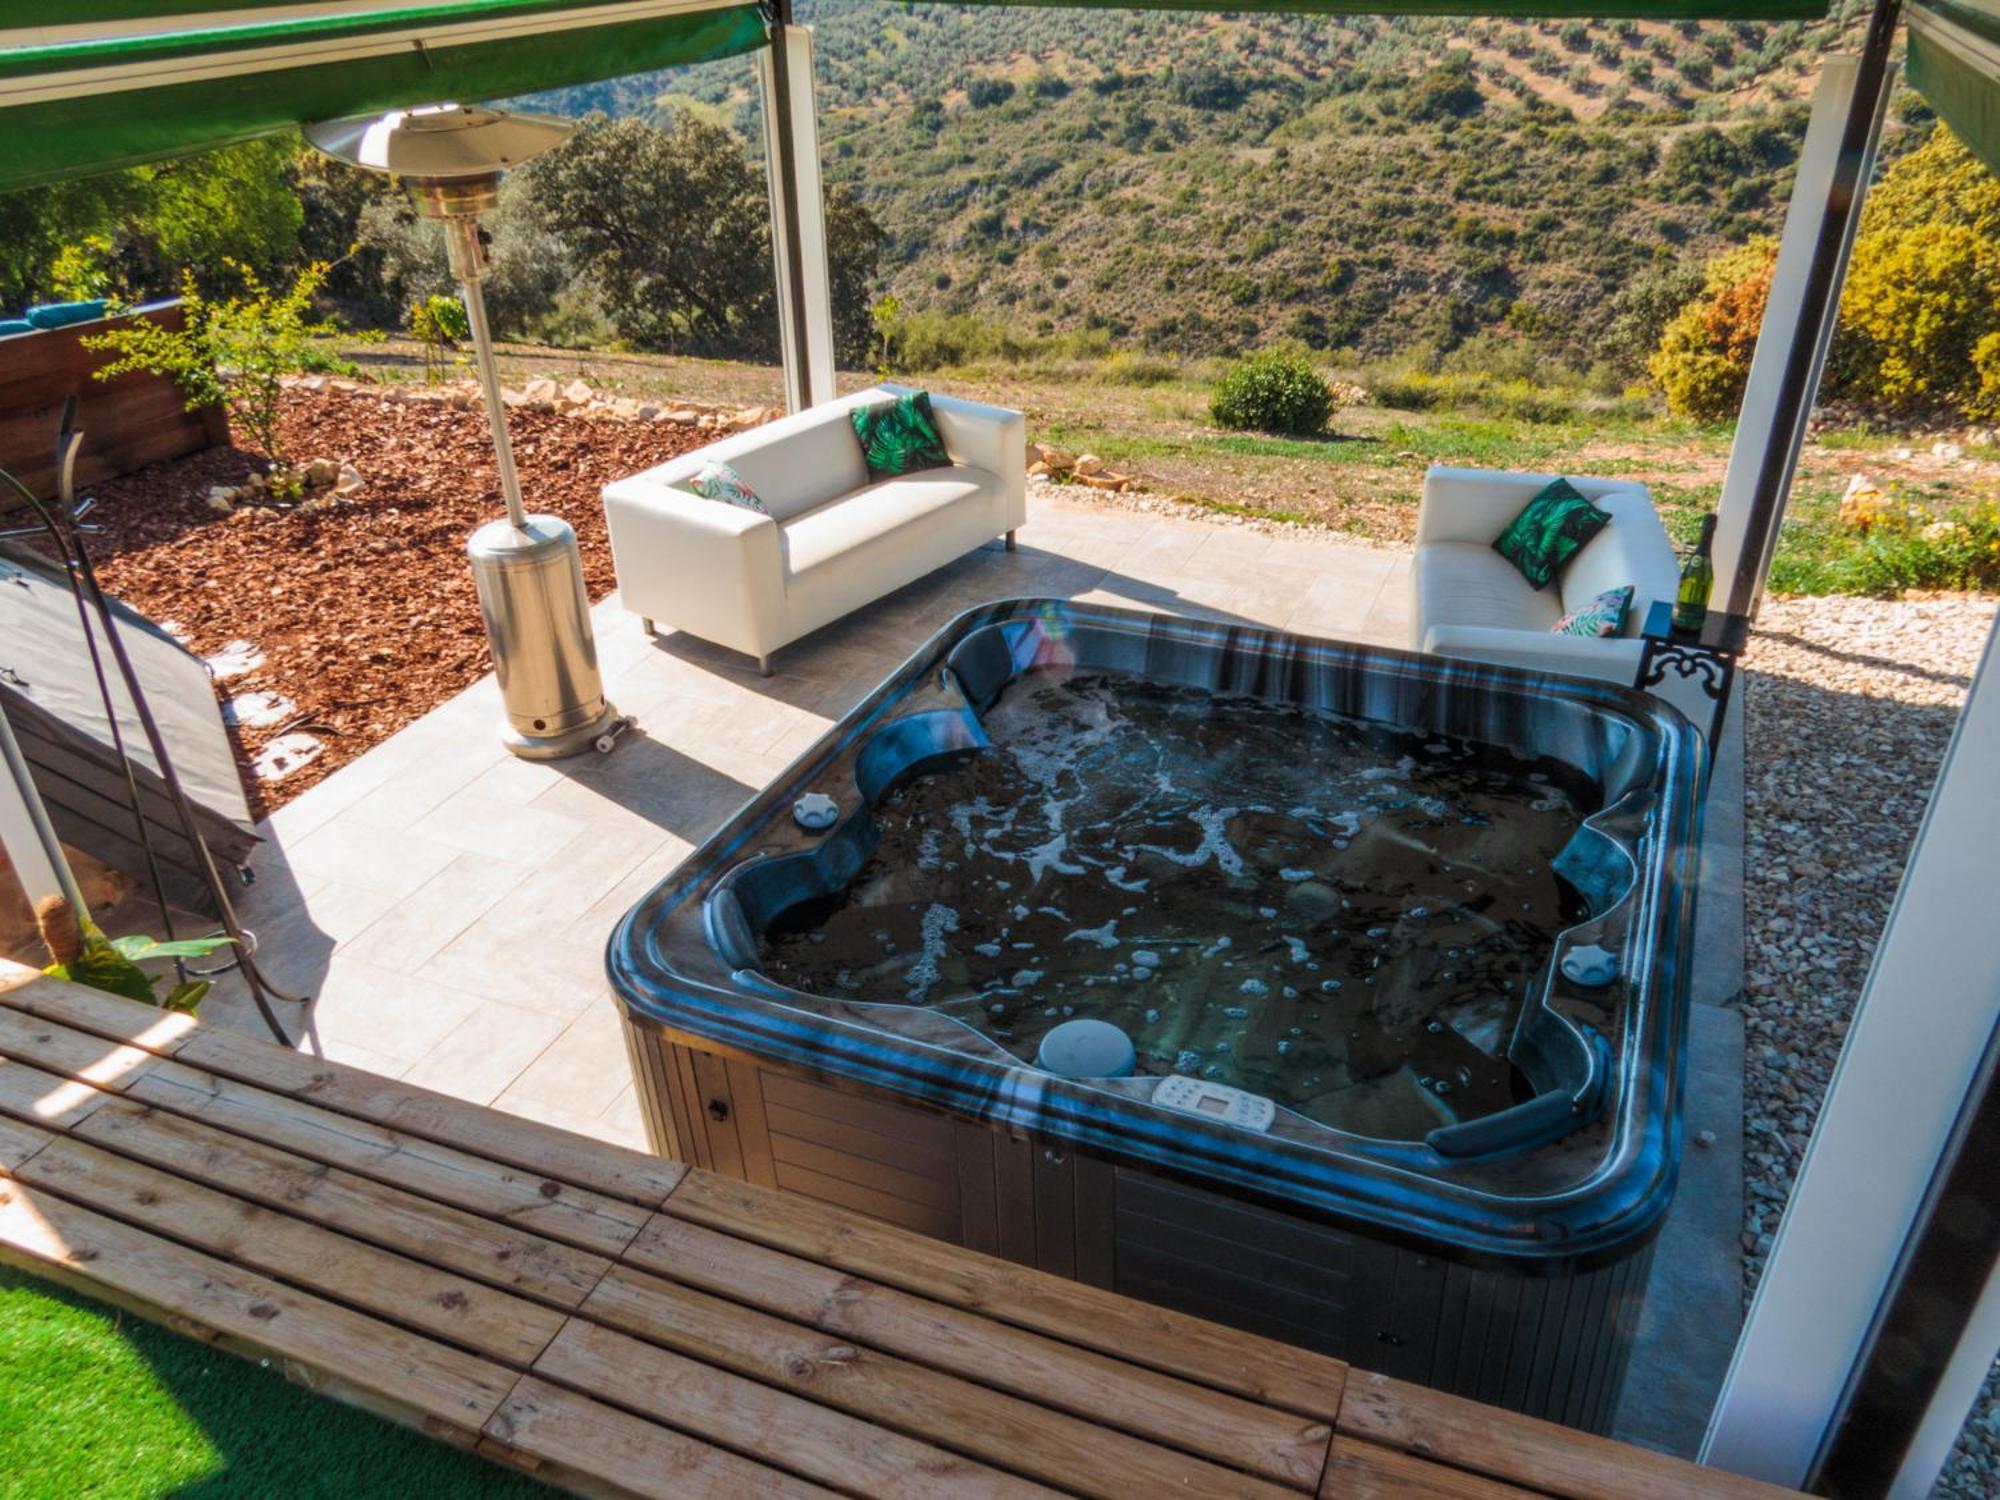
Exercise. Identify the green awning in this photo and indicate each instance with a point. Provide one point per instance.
(112, 83)
(1499, 10)
(1955, 64)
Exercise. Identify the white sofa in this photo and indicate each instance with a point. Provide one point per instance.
(1471, 602)
(834, 540)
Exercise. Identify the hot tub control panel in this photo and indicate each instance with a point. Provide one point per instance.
(1215, 1101)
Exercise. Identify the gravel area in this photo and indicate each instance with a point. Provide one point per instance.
(1851, 703)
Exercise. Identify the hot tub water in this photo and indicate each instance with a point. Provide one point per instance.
(1333, 914)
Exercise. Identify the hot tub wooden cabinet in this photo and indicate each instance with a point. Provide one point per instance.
(1552, 1345)
(1501, 1255)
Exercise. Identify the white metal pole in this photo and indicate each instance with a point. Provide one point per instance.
(1912, 1053)
(26, 833)
(468, 259)
(1831, 182)
(791, 146)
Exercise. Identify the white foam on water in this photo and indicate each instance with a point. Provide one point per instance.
(1105, 936)
(939, 919)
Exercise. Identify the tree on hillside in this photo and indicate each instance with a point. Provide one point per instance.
(1923, 291)
(1919, 330)
(141, 227)
(1703, 361)
(671, 225)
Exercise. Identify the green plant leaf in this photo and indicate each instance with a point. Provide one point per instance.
(186, 995)
(137, 946)
(103, 967)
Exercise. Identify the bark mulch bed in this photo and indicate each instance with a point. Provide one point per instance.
(365, 610)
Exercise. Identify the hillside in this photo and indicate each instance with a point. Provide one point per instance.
(1196, 184)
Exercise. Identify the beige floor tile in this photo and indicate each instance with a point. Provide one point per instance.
(584, 1069)
(356, 854)
(396, 1017)
(598, 919)
(486, 1052)
(622, 1121)
(1338, 605)
(295, 946)
(481, 823)
(578, 874)
(553, 970)
(433, 915)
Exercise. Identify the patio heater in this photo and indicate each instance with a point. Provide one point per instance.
(526, 567)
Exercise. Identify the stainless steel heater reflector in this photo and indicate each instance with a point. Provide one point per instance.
(526, 567)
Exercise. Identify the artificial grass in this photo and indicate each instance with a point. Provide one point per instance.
(96, 1403)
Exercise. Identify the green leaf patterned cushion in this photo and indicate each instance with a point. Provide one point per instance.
(1549, 531)
(899, 436)
(717, 481)
(1601, 616)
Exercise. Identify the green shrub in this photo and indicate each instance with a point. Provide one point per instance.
(438, 323)
(232, 351)
(1274, 390)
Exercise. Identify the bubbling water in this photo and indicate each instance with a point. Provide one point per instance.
(1341, 916)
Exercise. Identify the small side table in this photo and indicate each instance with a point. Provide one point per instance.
(1708, 659)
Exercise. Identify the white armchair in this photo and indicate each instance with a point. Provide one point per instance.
(834, 540)
(1473, 603)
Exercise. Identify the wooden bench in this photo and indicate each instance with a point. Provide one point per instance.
(622, 1325)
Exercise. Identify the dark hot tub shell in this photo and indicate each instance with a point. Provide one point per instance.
(1502, 1258)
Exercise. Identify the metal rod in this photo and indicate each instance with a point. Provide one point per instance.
(38, 819)
(467, 259)
(1805, 357)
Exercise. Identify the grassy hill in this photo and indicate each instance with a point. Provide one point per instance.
(1198, 184)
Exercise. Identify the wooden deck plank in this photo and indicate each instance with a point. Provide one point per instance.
(56, 1076)
(347, 1355)
(469, 1244)
(1281, 1446)
(818, 1442)
(408, 1292)
(558, 1154)
(502, 1190)
(1363, 1471)
(1050, 1446)
(594, 1449)
(522, 1195)
(1538, 1455)
(18, 1142)
(1245, 1364)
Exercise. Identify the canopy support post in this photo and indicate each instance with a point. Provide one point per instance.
(798, 210)
(1877, 1314)
(1834, 167)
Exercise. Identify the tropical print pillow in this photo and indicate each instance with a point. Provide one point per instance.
(1549, 531)
(717, 481)
(899, 436)
(1601, 616)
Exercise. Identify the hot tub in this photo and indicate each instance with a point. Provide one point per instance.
(1333, 992)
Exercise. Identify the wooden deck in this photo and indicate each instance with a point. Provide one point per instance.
(622, 1325)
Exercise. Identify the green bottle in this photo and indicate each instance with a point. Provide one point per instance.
(1697, 582)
